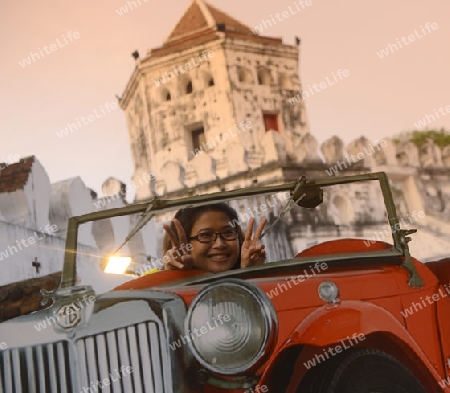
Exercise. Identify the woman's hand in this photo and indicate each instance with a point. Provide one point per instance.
(174, 258)
(253, 252)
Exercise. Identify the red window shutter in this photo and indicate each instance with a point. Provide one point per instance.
(270, 122)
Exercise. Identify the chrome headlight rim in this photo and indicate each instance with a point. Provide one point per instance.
(270, 325)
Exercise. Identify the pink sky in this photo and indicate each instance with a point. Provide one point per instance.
(381, 97)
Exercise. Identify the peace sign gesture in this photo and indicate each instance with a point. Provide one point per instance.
(177, 257)
(253, 252)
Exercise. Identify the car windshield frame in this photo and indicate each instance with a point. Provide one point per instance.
(158, 205)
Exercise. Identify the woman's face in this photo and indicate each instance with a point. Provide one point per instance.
(217, 256)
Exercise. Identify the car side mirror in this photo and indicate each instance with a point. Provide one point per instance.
(308, 197)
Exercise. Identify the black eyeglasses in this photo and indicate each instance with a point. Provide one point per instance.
(210, 237)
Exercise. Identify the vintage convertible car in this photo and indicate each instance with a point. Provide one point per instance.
(348, 315)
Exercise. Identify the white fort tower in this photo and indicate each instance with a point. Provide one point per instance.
(209, 109)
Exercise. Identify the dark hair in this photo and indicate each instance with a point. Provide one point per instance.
(188, 216)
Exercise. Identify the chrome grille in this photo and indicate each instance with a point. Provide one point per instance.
(106, 356)
(38, 369)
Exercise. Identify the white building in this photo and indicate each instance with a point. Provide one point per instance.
(33, 225)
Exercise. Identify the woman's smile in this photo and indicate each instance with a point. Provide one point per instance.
(219, 255)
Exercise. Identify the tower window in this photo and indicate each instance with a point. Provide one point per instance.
(189, 87)
(244, 75)
(165, 95)
(284, 81)
(198, 138)
(263, 76)
(241, 75)
(208, 79)
(270, 121)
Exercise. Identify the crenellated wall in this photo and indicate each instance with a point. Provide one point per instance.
(420, 180)
(33, 226)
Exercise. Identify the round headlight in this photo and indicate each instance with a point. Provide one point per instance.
(231, 326)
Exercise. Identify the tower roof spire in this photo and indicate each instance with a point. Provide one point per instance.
(201, 16)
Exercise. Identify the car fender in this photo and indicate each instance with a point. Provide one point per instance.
(331, 324)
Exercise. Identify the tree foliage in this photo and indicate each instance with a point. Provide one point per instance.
(419, 138)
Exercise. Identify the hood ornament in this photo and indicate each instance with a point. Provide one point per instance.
(68, 316)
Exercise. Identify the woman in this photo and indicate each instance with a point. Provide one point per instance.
(211, 242)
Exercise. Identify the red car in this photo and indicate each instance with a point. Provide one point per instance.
(349, 315)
